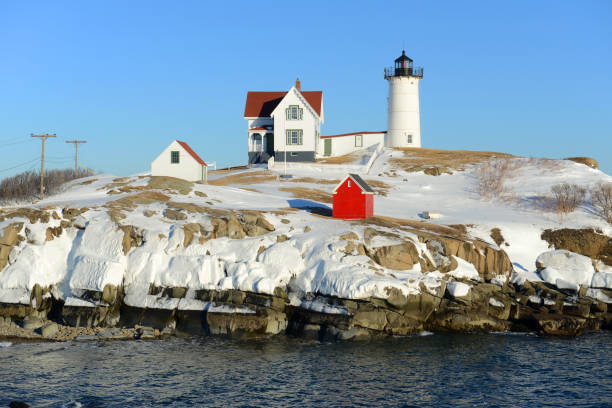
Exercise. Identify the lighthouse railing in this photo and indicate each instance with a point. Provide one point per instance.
(396, 72)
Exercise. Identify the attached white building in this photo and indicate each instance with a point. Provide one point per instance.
(180, 161)
(284, 122)
(338, 145)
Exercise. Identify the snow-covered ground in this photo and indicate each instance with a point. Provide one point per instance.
(312, 259)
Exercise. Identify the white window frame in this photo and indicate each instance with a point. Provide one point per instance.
(294, 112)
(294, 137)
(360, 139)
(409, 139)
(178, 157)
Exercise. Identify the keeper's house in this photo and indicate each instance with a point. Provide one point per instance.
(353, 198)
(282, 123)
(180, 161)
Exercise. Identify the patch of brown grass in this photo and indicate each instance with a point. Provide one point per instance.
(412, 226)
(380, 187)
(145, 197)
(247, 177)
(197, 209)
(84, 183)
(309, 194)
(313, 180)
(453, 159)
(347, 158)
(252, 190)
(170, 183)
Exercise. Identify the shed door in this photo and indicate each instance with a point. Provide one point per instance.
(327, 147)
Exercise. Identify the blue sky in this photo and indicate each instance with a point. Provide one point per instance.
(529, 78)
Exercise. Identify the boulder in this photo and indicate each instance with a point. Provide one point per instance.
(399, 257)
(235, 229)
(32, 323)
(569, 326)
(49, 330)
(8, 239)
(565, 269)
(190, 230)
(587, 161)
(587, 242)
(132, 238)
(375, 319)
(174, 215)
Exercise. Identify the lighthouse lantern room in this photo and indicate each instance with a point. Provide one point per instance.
(404, 124)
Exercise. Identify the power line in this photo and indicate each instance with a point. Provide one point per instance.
(14, 143)
(11, 140)
(19, 165)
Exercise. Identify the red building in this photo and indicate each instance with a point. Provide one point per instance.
(353, 198)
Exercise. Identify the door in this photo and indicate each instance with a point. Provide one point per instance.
(269, 142)
(327, 147)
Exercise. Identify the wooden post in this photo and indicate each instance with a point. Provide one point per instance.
(76, 152)
(43, 138)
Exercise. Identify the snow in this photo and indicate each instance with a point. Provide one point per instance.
(19, 296)
(496, 303)
(4, 344)
(458, 289)
(602, 280)
(73, 301)
(499, 280)
(565, 269)
(322, 307)
(599, 295)
(230, 309)
(464, 270)
(308, 263)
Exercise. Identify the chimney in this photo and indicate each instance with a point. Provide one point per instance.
(298, 85)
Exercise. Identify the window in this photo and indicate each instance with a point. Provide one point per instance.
(174, 157)
(294, 136)
(349, 183)
(409, 139)
(294, 112)
(359, 141)
(257, 143)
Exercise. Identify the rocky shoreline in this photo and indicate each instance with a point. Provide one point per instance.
(533, 307)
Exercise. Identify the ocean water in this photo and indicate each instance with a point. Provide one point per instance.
(518, 370)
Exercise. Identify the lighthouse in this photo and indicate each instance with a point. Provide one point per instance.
(404, 125)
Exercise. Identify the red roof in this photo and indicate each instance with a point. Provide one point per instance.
(191, 152)
(259, 128)
(353, 133)
(261, 104)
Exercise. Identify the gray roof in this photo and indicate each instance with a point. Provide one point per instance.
(361, 182)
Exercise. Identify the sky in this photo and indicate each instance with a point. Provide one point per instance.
(531, 78)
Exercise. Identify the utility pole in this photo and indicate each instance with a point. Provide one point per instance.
(76, 152)
(43, 138)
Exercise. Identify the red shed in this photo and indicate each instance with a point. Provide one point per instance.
(353, 198)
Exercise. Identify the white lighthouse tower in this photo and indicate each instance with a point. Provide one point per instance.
(404, 127)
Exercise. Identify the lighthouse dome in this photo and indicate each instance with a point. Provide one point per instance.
(403, 58)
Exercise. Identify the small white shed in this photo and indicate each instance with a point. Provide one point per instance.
(180, 161)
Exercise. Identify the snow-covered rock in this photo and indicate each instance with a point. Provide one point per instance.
(565, 269)
(458, 289)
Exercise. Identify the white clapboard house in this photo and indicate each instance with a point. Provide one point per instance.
(180, 161)
(282, 123)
